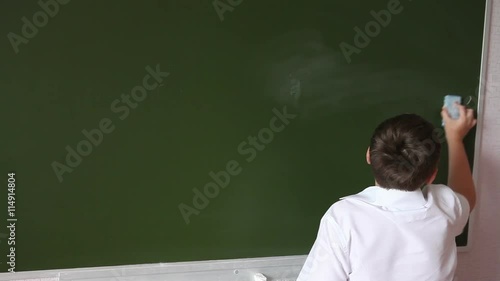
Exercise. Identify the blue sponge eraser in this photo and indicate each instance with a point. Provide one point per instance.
(449, 103)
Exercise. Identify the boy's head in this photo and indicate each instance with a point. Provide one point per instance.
(403, 153)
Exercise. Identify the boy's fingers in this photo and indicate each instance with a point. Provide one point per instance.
(470, 113)
(463, 112)
(445, 114)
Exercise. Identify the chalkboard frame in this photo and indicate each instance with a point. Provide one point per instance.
(480, 112)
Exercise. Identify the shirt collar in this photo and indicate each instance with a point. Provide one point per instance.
(391, 199)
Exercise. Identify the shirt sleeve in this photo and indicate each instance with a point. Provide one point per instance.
(329, 257)
(462, 210)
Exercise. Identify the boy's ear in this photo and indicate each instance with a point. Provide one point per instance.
(432, 177)
(368, 156)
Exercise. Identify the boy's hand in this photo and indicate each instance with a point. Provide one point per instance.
(457, 129)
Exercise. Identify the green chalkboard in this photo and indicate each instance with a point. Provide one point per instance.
(282, 96)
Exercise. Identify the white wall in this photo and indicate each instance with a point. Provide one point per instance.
(482, 262)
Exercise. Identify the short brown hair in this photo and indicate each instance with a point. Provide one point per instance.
(403, 152)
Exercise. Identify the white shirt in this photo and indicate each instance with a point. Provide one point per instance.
(389, 235)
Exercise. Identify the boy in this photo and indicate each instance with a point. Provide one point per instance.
(404, 227)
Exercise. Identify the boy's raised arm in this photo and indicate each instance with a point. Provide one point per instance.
(459, 172)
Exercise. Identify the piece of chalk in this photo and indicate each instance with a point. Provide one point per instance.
(450, 104)
(259, 277)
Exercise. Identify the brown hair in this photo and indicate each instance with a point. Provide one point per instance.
(403, 152)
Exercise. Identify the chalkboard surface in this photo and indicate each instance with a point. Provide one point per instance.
(160, 131)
